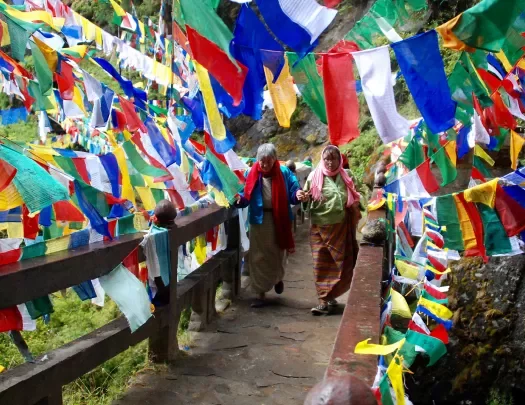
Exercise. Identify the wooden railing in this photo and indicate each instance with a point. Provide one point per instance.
(40, 382)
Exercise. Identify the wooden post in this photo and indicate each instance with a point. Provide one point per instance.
(231, 278)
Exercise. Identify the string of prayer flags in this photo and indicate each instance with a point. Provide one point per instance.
(296, 26)
(129, 294)
(376, 82)
(283, 96)
(422, 66)
(342, 105)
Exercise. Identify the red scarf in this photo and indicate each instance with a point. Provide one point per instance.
(280, 205)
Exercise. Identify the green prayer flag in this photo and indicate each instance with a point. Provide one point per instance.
(480, 90)
(95, 197)
(496, 240)
(309, 82)
(53, 231)
(429, 297)
(158, 195)
(413, 155)
(384, 389)
(67, 165)
(39, 307)
(392, 335)
(408, 351)
(19, 39)
(140, 164)
(42, 102)
(477, 162)
(485, 25)
(126, 225)
(443, 162)
(202, 17)
(447, 215)
(229, 181)
(136, 179)
(37, 187)
(34, 250)
(43, 73)
(434, 348)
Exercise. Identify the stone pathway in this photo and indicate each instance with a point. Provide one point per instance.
(271, 355)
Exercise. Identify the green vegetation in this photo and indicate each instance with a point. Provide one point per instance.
(499, 398)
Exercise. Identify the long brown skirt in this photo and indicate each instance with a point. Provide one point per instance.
(334, 251)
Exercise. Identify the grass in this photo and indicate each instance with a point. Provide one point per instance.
(499, 398)
(72, 319)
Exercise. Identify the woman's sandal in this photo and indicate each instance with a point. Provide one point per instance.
(321, 310)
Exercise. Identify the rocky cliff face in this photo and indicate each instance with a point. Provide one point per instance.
(486, 353)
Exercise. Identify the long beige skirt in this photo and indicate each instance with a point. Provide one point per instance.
(266, 259)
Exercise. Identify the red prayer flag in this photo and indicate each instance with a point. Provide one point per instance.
(440, 332)
(66, 211)
(342, 106)
(7, 174)
(133, 121)
(427, 178)
(175, 198)
(131, 262)
(120, 121)
(10, 319)
(477, 175)
(434, 292)
(492, 81)
(29, 224)
(477, 227)
(11, 256)
(219, 65)
(436, 264)
(209, 145)
(80, 165)
(413, 326)
(331, 3)
(502, 115)
(65, 81)
(137, 140)
(511, 213)
(181, 38)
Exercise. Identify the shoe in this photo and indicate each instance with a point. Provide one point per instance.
(333, 303)
(321, 310)
(279, 287)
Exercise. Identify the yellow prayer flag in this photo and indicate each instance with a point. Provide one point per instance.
(15, 230)
(200, 249)
(407, 270)
(139, 222)
(283, 94)
(89, 29)
(450, 40)
(439, 310)
(118, 9)
(10, 198)
(469, 237)
(399, 305)
(395, 374)
(504, 60)
(214, 117)
(146, 196)
(379, 350)
(219, 197)
(480, 152)
(436, 271)
(98, 37)
(2, 368)
(127, 189)
(484, 193)
(77, 99)
(450, 148)
(57, 245)
(49, 54)
(6, 40)
(375, 205)
(516, 143)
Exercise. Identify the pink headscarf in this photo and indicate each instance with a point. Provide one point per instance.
(318, 180)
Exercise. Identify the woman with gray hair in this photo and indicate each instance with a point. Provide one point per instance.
(270, 189)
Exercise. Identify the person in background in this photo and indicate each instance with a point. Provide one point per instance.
(333, 204)
(270, 189)
(291, 165)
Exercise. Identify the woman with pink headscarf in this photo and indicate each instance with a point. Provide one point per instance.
(333, 205)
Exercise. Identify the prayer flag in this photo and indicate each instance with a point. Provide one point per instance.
(133, 121)
(448, 216)
(496, 240)
(282, 93)
(341, 98)
(7, 174)
(434, 348)
(376, 82)
(413, 155)
(129, 294)
(230, 75)
(443, 162)
(297, 25)
(10, 319)
(424, 72)
(510, 212)
(516, 144)
(485, 25)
